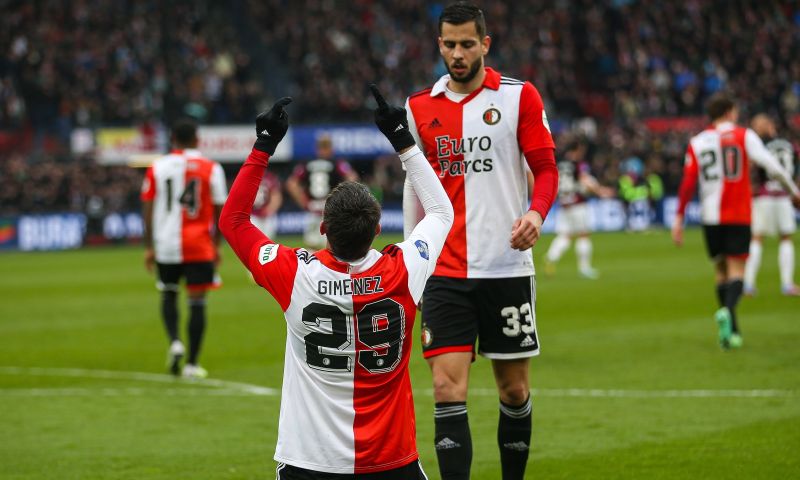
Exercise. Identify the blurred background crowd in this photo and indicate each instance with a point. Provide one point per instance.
(609, 71)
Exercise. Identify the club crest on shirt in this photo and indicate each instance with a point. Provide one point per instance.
(422, 248)
(268, 253)
(491, 116)
(427, 337)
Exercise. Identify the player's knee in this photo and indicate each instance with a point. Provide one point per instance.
(514, 393)
(449, 388)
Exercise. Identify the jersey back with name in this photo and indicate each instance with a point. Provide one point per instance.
(476, 148)
(784, 152)
(347, 405)
(718, 156)
(184, 188)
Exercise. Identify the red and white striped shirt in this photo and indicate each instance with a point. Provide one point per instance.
(478, 146)
(347, 405)
(184, 188)
(719, 158)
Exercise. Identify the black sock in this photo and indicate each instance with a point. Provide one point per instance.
(197, 325)
(734, 293)
(722, 292)
(169, 313)
(453, 441)
(514, 439)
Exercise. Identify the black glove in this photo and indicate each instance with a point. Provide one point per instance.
(392, 122)
(271, 126)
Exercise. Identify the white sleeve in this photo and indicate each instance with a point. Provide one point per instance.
(219, 189)
(761, 156)
(410, 200)
(422, 247)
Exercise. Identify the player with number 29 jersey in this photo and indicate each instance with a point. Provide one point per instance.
(184, 187)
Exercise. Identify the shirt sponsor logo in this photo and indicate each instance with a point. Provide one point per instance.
(422, 248)
(268, 253)
(446, 146)
(492, 116)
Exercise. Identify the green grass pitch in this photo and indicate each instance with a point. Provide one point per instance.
(630, 382)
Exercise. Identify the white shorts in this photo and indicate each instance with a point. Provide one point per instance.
(311, 237)
(773, 215)
(573, 220)
(268, 225)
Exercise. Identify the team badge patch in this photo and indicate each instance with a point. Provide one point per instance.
(491, 116)
(427, 337)
(268, 253)
(422, 248)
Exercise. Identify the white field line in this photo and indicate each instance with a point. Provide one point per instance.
(139, 376)
(228, 388)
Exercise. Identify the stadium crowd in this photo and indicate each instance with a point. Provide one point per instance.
(617, 62)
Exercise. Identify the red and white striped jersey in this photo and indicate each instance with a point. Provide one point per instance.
(184, 188)
(346, 405)
(477, 147)
(719, 158)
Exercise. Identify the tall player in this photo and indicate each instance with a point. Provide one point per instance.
(575, 183)
(719, 158)
(182, 196)
(310, 184)
(772, 211)
(478, 130)
(346, 410)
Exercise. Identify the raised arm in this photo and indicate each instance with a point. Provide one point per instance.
(234, 222)
(434, 227)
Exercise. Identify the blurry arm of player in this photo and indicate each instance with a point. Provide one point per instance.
(761, 156)
(295, 190)
(275, 200)
(149, 253)
(593, 186)
(219, 193)
(685, 194)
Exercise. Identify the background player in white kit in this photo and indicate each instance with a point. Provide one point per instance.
(182, 195)
(719, 158)
(347, 410)
(478, 130)
(773, 213)
(575, 184)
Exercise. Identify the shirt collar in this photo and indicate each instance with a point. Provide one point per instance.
(491, 80)
(356, 266)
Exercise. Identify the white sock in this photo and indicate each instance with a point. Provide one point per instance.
(786, 262)
(752, 265)
(557, 248)
(583, 249)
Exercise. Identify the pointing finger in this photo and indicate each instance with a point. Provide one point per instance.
(382, 105)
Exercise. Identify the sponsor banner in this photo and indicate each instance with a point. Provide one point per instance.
(123, 226)
(233, 143)
(50, 232)
(679, 124)
(351, 141)
(8, 233)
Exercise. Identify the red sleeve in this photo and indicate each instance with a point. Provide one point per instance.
(533, 131)
(542, 163)
(148, 186)
(689, 181)
(273, 266)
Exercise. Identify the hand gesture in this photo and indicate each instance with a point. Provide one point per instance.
(392, 122)
(526, 230)
(271, 126)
